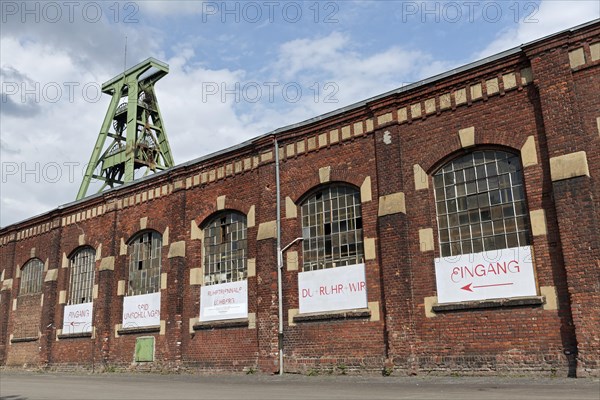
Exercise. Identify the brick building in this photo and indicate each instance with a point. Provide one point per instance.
(448, 226)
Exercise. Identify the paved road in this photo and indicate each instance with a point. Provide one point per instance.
(30, 385)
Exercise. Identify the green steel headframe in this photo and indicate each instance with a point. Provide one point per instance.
(134, 123)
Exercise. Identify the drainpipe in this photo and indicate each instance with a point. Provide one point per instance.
(279, 260)
(280, 252)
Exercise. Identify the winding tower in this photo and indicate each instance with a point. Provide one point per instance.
(133, 135)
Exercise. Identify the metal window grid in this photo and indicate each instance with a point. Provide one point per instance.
(31, 277)
(144, 264)
(81, 278)
(225, 249)
(480, 203)
(332, 228)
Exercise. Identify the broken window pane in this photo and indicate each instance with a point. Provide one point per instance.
(332, 228)
(225, 249)
(144, 252)
(495, 195)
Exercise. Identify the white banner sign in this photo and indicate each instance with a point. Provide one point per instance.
(224, 301)
(488, 275)
(142, 310)
(332, 289)
(77, 318)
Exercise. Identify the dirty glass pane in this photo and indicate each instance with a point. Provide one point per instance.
(225, 249)
(81, 277)
(492, 194)
(332, 228)
(31, 277)
(144, 252)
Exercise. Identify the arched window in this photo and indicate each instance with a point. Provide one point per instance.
(332, 228)
(144, 263)
(225, 249)
(81, 277)
(31, 277)
(480, 203)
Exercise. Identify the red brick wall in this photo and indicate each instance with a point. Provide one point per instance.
(6, 296)
(329, 344)
(478, 339)
(588, 103)
(221, 348)
(569, 108)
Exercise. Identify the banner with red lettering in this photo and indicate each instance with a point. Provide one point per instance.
(224, 301)
(487, 275)
(332, 289)
(77, 318)
(141, 310)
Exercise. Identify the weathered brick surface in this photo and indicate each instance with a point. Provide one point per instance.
(327, 344)
(373, 143)
(569, 110)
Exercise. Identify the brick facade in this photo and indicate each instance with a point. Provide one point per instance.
(539, 101)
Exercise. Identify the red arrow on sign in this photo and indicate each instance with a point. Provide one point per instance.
(468, 287)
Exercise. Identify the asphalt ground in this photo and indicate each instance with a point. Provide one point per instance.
(20, 385)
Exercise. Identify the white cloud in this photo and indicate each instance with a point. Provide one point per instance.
(303, 54)
(171, 7)
(550, 16)
(336, 58)
(196, 122)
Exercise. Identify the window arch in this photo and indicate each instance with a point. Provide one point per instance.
(144, 252)
(81, 277)
(31, 277)
(225, 248)
(332, 228)
(480, 203)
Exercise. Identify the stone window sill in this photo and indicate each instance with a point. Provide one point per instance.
(363, 313)
(75, 335)
(226, 323)
(24, 339)
(140, 329)
(493, 303)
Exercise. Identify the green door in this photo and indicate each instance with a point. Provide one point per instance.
(144, 349)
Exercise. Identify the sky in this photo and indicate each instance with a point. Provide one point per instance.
(238, 69)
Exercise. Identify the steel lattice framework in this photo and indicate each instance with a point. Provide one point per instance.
(134, 123)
